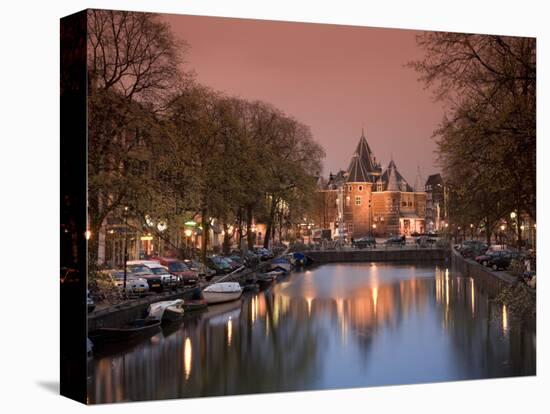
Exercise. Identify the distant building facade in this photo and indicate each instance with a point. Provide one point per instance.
(436, 203)
(374, 201)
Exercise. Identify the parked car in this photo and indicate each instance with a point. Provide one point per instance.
(425, 240)
(140, 270)
(250, 258)
(201, 269)
(396, 241)
(167, 278)
(364, 242)
(134, 284)
(89, 301)
(181, 270)
(500, 260)
(264, 254)
(218, 264)
(232, 263)
(472, 248)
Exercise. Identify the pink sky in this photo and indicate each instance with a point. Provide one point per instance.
(336, 79)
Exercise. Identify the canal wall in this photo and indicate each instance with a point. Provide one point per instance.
(493, 282)
(501, 287)
(375, 255)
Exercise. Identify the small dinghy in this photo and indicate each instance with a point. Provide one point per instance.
(222, 292)
(281, 264)
(265, 280)
(140, 328)
(166, 311)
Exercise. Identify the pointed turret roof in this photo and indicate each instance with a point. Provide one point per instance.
(400, 182)
(358, 172)
(418, 186)
(363, 165)
(392, 178)
(365, 153)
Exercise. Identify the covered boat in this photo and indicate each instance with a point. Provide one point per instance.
(299, 259)
(281, 263)
(222, 292)
(166, 311)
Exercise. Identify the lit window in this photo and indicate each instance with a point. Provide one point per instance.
(357, 200)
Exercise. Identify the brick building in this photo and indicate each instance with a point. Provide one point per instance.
(375, 201)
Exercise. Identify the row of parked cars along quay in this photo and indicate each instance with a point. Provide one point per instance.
(499, 257)
(418, 240)
(159, 274)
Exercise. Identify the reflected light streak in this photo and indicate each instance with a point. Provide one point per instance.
(504, 319)
(472, 294)
(447, 286)
(254, 305)
(229, 331)
(375, 297)
(309, 300)
(187, 353)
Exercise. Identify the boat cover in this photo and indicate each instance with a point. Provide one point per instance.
(156, 310)
(224, 287)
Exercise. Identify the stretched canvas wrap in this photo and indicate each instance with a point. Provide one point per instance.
(256, 206)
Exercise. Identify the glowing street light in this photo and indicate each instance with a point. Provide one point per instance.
(513, 215)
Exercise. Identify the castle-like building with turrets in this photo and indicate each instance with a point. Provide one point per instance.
(373, 201)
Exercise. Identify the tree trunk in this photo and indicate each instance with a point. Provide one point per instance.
(249, 241)
(269, 227)
(205, 228)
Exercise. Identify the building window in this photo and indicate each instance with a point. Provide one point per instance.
(350, 187)
(350, 228)
(360, 188)
(347, 201)
(404, 204)
(357, 200)
(410, 203)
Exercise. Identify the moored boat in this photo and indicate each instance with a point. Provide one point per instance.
(140, 328)
(166, 311)
(265, 280)
(281, 264)
(222, 292)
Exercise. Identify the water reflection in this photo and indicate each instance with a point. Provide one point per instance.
(339, 325)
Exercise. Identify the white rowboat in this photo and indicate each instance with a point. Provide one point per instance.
(222, 292)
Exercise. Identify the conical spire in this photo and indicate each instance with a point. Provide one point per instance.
(418, 187)
(358, 172)
(365, 153)
(392, 178)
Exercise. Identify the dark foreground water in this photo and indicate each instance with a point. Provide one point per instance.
(334, 326)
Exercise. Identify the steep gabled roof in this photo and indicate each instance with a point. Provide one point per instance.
(398, 183)
(358, 172)
(418, 187)
(363, 164)
(365, 153)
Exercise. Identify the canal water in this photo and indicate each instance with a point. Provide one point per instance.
(333, 326)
